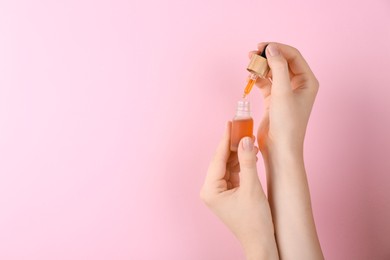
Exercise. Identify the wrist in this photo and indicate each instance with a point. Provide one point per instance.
(261, 250)
(283, 156)
(261, 244)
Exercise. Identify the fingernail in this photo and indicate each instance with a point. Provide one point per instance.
(247, 144)
(273, 50)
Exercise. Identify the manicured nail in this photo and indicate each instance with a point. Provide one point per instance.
(247, 144)
(273, 50)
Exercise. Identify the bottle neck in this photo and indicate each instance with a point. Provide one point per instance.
(243, 109)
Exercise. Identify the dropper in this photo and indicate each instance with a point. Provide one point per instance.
(258, 67)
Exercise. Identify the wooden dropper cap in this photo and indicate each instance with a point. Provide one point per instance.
(258, 64)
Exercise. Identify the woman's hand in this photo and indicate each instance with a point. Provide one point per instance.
(288, 103)
(232, 190)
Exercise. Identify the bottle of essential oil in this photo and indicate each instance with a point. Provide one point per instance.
(242, 124)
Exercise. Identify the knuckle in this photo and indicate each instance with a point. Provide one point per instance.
(296, 51)
(247, 162)
(315, 84)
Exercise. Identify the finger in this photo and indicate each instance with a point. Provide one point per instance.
(251, 53)
(235, 178)
(296, 62)
(278, 64)
(218, 164)
(261, 46)
(227, 175)
(234, 169)
(223, 152)
(247, 157)
(233, 158)
(231, 165)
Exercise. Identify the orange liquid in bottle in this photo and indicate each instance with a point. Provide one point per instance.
(240, 128)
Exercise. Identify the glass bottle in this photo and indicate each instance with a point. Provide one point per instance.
(242, 124)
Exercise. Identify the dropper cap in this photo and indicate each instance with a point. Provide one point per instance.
(258, 64)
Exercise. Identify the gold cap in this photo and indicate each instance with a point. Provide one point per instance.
(258, 65)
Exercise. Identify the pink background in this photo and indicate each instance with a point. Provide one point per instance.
(111, 110)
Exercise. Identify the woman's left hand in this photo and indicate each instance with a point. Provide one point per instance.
(232, 190)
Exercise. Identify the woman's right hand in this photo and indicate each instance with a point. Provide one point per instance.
(288, 101)
(288, 104)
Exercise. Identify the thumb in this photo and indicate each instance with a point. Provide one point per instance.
(247, 159)
(279, 66)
